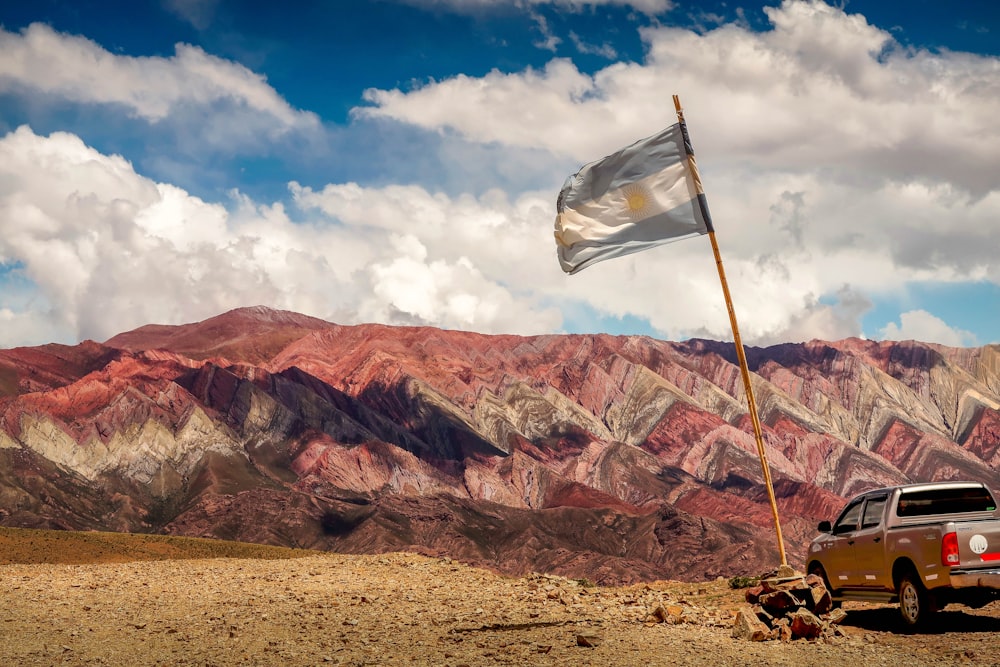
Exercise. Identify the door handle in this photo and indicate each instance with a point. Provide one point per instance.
(850, 542)
(877, 540)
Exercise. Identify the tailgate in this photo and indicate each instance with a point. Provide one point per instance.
(978, 543)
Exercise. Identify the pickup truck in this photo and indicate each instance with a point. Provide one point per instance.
(921, 545)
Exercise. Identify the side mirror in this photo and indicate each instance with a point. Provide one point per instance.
(824, 527)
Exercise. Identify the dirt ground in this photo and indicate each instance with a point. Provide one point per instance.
(403, 609)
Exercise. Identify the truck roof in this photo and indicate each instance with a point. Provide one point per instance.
(925, 486)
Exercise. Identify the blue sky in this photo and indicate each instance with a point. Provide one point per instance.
(398, 160)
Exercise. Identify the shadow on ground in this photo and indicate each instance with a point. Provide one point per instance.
(951, 619)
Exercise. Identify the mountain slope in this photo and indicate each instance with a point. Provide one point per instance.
(612, 458)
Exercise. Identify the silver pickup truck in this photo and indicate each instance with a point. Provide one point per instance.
(922, 545)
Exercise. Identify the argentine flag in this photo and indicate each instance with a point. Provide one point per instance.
(643, 196)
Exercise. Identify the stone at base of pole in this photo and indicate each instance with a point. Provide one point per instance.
(787, 608)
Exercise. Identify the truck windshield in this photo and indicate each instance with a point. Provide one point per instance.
(945, 501)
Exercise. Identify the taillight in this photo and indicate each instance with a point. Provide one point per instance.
(949, 549)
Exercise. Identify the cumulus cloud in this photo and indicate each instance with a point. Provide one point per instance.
(109, 249)
(923, 326)
(76, 69)
(821, 87)
(833, 159)
(838, 166)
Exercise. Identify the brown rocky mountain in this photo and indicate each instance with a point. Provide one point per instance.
(615, 458)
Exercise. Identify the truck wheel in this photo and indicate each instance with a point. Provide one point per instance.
(914, 600)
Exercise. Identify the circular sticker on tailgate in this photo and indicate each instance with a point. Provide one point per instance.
(978, 544)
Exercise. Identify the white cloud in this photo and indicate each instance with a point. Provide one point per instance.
(604, 50)
(549, 40)
(478, 107)
(198, 13)
(109, 249)
(837, 165)
(410, 289)
(26, 327)
(921, 325)
(79, 70)
(822, 88)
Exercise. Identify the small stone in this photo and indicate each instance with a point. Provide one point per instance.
(783, 630)
(589, 640)
(671, 614)
(836, 616)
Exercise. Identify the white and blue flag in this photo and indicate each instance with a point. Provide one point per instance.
(643, 196)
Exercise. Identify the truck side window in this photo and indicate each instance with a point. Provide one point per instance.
(874, 509)
(848, 521)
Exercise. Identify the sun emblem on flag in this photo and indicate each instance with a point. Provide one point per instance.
(638, 201)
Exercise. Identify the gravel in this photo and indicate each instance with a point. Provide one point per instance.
(404, 609)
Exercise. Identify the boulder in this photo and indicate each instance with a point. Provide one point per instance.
(748, 626)
(814, 580)
(780, 601)
(789, 608)
(821, 600)
(805, 624)
(753, 594)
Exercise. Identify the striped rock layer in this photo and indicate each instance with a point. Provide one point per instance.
(615, 458)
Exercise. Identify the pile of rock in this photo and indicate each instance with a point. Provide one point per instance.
(787, 608)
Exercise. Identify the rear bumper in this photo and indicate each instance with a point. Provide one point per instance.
(988, 578)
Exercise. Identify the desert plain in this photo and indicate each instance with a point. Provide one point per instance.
(109, 599)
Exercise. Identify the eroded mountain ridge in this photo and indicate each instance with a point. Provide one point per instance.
(615, 458)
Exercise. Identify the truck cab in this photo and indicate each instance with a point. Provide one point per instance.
(922, 545)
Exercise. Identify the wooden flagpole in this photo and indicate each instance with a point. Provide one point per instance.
(740, 353)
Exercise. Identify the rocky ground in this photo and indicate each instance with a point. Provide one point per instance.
(403, 609)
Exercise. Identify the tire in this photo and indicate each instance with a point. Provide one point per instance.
(914, 601)
(817, 569)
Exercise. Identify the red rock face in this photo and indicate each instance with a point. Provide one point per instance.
(612, 458)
